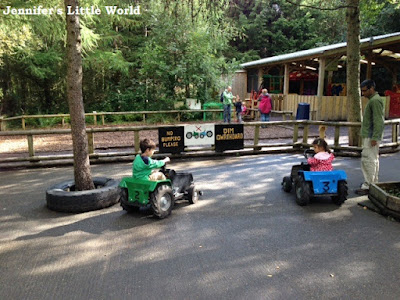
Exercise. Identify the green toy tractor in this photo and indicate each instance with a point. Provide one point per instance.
(160, 195)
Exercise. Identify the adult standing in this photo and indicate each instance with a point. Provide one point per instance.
(227, 104)
(265, 105)
(372, 127)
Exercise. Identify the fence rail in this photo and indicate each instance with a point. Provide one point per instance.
(95, 115)
(299, 140)
(101, 116)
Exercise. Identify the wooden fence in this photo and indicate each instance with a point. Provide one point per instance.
(100, 116)
(333, 108)
(300, 131)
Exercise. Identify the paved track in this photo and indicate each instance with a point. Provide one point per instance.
(246, 239)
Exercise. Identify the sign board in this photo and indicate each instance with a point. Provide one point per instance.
(193, 103)
(229, 137)
(170, 139)
(202, 134)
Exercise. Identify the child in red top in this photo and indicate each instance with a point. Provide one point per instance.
(322, 160)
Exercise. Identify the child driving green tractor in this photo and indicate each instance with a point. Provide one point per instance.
(157, 189)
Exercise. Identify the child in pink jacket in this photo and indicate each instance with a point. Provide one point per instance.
(322, 160)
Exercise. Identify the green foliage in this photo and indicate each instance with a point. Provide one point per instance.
(270, 28)
(43, 122)
(160, 119)
(175, 49)
(379, 17)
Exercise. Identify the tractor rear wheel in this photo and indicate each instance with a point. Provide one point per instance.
(342, 193)
(125, 202)
(162, 201)
(303, 192)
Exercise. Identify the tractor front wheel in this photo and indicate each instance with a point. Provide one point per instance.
(162, 201)
(287, 184)
(303, 192)
(342, 193)
(193, 195)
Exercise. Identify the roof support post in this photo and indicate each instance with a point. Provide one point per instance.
(369, 70)
(260, 77)
(394, 77)
(286, 80)
(369, 65)
(320, 90)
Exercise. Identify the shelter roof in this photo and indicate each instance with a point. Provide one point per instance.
(385, 46)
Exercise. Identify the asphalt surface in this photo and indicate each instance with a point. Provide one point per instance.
(245, 239)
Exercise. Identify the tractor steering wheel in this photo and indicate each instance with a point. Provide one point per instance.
(309, 153)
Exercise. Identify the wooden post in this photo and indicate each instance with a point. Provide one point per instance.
(2, 123)
(394, 76)
(305, 134)
(23, 122)
(320, 90)
(256, 137)
(144, 118)
(337, 136)
(31, 149)
(322, 130)
(395, 134)
(179, 116)
(91, 142)
(369, 65)
(295, 133)
(260, 76)
(62, 121)
(286, 80)
(103, 122)
(369, 70)
(136, 141)
(94, 118)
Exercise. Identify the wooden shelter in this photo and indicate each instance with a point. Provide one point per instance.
(325, 61)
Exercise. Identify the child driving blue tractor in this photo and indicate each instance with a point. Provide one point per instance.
(316, 178)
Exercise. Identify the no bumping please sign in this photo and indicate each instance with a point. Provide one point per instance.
(223, 136)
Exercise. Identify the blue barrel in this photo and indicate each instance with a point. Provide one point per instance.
(303, 111)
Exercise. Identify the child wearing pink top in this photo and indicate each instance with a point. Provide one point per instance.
(322, 160)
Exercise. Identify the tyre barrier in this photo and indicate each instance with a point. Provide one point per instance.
(60, 198)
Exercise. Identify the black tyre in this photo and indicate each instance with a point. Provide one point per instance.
(342, 193)
(193, 195)
(189, 135)
(209, 133)
(287, 184)
(162, 201)
(125, 202)
(62, 197)
(303, 192)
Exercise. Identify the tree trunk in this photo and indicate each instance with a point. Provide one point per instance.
(82, 174)
(353, 68)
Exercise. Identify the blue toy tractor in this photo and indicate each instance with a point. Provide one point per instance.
(310, 184)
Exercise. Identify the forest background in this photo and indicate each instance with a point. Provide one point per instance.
(174, 49)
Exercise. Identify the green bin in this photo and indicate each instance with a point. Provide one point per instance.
(213, 105)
